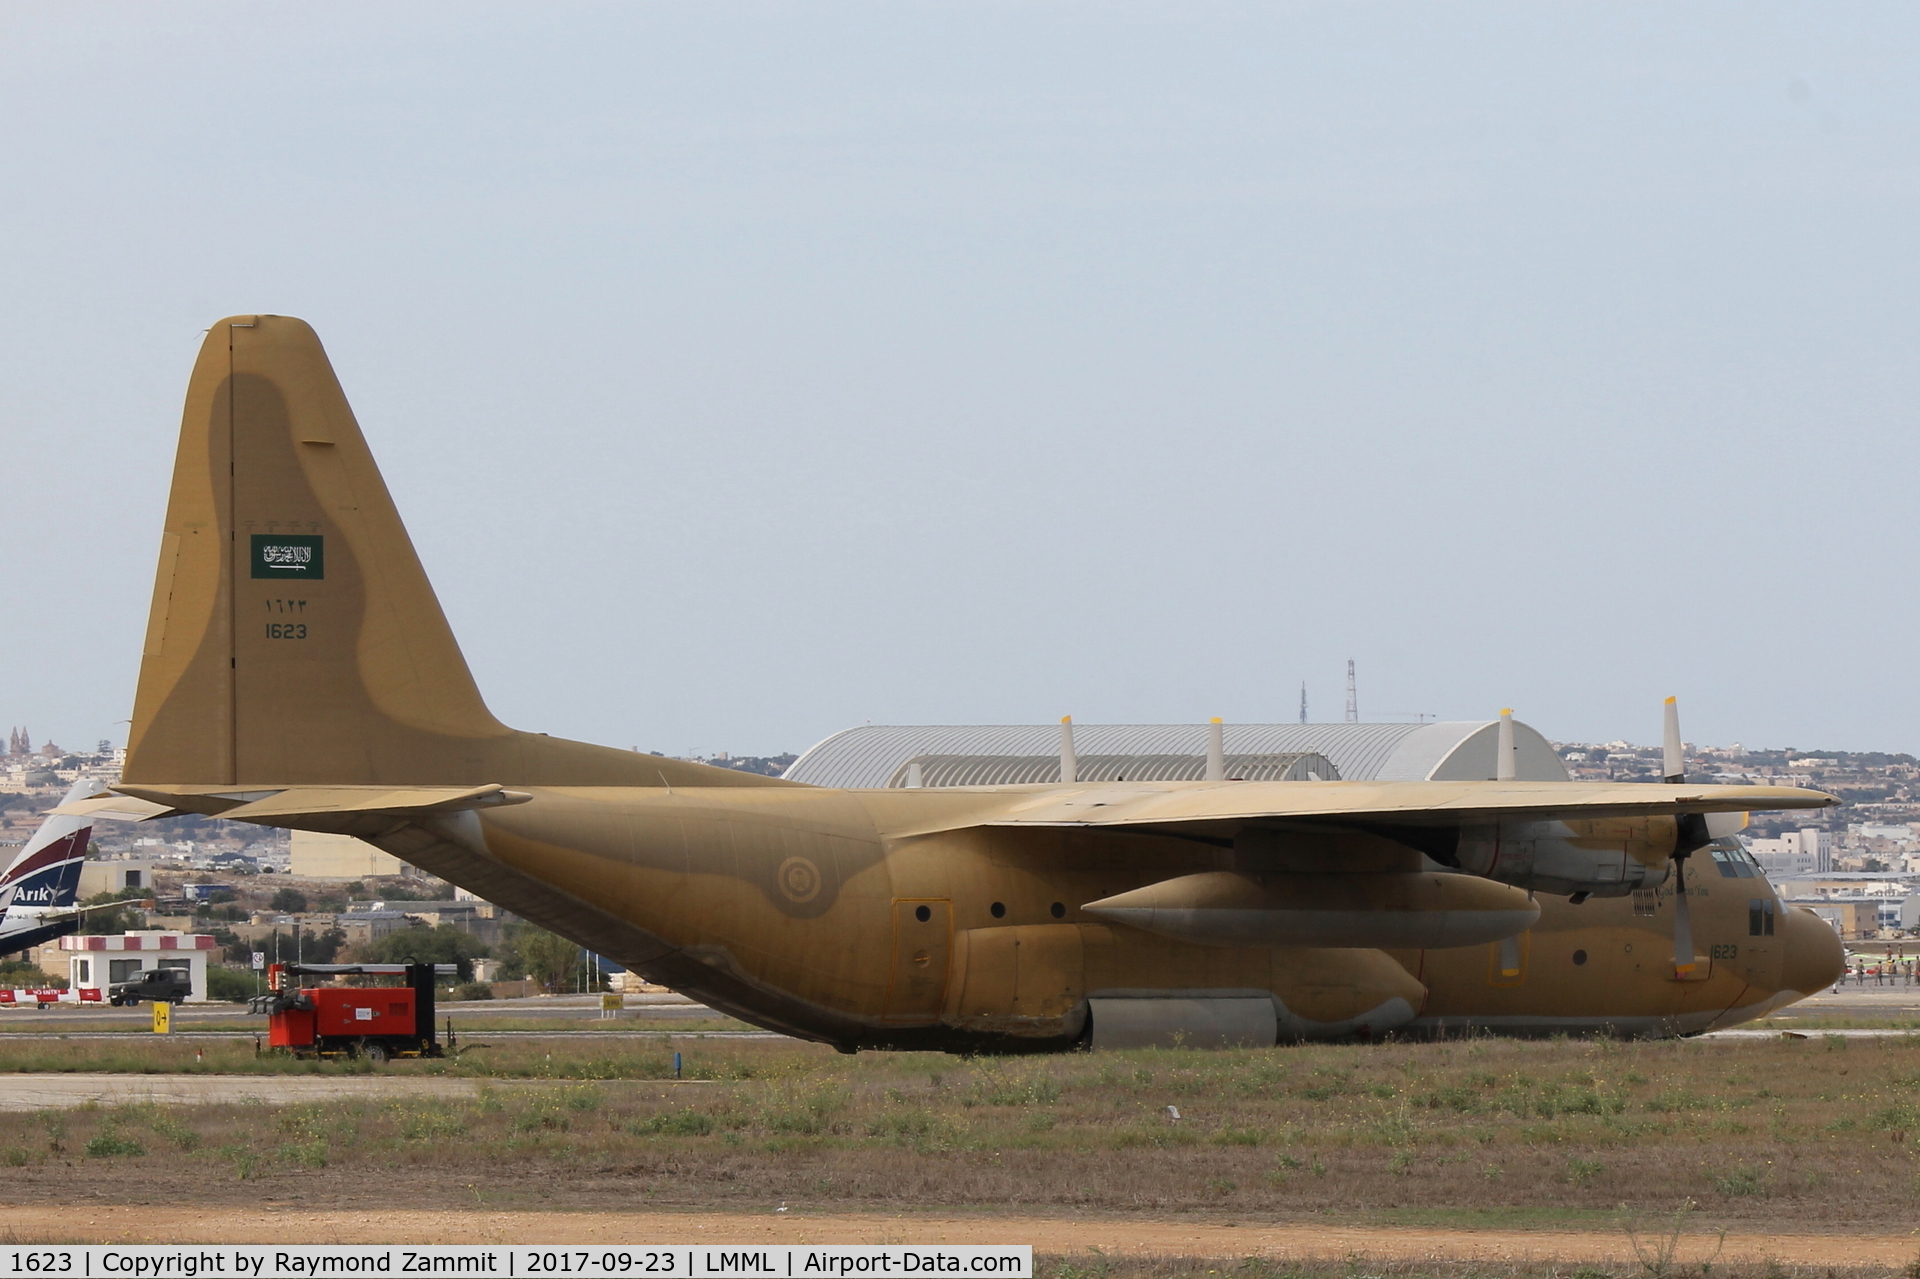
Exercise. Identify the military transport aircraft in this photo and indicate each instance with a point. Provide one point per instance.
(298, 672)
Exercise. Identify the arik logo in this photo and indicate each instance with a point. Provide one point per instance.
(44, 893)
(284, 555)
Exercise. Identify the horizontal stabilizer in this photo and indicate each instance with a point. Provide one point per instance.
(288, 807)
(116, 808)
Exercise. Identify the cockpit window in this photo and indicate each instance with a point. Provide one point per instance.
(1733, 860)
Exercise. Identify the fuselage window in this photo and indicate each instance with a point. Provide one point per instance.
(1760, 917)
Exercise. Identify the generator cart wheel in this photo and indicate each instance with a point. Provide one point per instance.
(376, 1053)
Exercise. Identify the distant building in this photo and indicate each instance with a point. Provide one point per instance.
(1846, 883)
(363, 927)
(112, 876)
(320, 856)
(1798, 852)
(484, 920)
(1852, 918)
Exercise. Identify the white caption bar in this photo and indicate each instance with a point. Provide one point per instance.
(265, 1261)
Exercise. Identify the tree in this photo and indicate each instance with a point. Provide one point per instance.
(18, 972)
(230, 984)
(551, 959)
(309, 946)
(120, 918)
(289, 901)
(443, 945)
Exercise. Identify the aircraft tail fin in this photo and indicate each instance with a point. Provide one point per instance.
(46, 871)
(294, 637)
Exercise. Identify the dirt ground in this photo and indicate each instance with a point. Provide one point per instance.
(1111, 1235)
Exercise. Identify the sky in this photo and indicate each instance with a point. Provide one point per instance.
(745, 372)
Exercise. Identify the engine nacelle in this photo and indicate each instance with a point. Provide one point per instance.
(1393, 910)
(1603, 857)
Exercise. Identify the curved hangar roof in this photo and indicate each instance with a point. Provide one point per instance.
(875, 756)
(1016, 770)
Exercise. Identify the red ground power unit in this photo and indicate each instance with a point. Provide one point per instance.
(376, 1022)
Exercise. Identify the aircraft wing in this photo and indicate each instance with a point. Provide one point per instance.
(1573, 838)
(1220, 808)
(1561, 837)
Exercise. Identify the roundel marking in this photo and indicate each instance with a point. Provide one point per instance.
(799, 880)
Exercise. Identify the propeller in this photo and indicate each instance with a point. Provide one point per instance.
(1694, 832)
(1674, 770)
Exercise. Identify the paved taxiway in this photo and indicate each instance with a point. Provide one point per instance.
(67, 1091)
(644, 1015)
(653, 1016)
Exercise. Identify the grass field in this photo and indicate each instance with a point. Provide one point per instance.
(1815, 1134)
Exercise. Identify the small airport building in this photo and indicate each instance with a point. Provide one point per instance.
(890, 755)
(96, 962)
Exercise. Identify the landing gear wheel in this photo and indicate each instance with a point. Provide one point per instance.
(376, 1053)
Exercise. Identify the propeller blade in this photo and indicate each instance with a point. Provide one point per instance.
(1694, 832)
(1683, 960)
(1675, 763)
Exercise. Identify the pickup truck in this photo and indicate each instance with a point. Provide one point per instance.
(156, 984)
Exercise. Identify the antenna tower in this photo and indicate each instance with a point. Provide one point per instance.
(1303, 701)
(1353, 697)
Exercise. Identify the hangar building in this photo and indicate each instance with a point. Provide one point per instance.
(878, 756)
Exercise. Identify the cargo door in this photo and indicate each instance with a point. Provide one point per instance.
(922, 949)
(1758, 954)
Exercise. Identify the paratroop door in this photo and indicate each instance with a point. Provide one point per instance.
(922, 946)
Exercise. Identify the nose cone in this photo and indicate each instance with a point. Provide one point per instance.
(1814, 958)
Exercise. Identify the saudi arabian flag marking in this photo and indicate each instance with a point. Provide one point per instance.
(289, 555)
